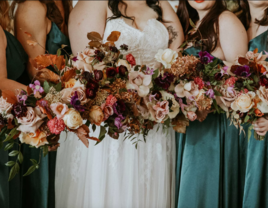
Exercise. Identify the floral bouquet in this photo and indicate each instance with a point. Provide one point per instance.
(244, 97)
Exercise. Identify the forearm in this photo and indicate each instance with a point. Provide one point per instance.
(8, 84)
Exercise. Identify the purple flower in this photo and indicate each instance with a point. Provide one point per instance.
(22, 97)
(164, 81)
(74, 59)
(149, 71)
(76, 103)
(242, 71)
(205, 57)
(224, 70)
(218, 76)
(118, 121)
(210, 93)
(36, 87)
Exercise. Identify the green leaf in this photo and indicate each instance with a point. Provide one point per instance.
(58, 87)
(103, 132)
(45, 150)
(121, 56)
(13, 153)
(3, 131)
(11, 134)
(250, 131)
(94, 127)
(13, 172)
(156, 73)
(246, 119)
(59, 52)
(217, 93)
(10, 163)
(184, 44)
(30, 170)
(34, 161)
(136, 68)
(87, 123)
(9, 146)
(46, 87)
(192, 23)
(20, 157)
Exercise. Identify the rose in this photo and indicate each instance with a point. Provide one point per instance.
(130, 58)
(98, 75)
(191, 116)
(31, 121)
(36, 139)
(68, 93)
(264, 82)
(263, 95)
(244, 102)
(73, 119)
(70, 83)
(56, 126)
(230, 82)
(122, 70)
(59, 109)
(186, 89)
(111, 72)
(162, 109)
(167, 57)
(140, 82)
(175, 106)
(228, 96)
(5, 107)
(96, 115)
(91, 94)
(84, 60)
(107, 111)
(111, 100)
(93, 85)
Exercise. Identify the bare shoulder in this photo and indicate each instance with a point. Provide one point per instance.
(228, 18)
(87, 6)
(3, 40)
(31, 9)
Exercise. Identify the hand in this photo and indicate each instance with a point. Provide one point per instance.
(261, 126)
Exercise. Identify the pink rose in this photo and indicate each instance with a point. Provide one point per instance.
(56, 126)
(32, 121)
(228, 96)
(162, 109)
(191, 116)
(68, 93)
(187, 90)
(111, 100)
(108, 111)
(59, 109)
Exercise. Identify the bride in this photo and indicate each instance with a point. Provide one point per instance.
(114, 174)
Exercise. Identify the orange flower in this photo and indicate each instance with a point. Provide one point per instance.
(70, 83)
(258, 113)
(261, 68)
(256, 101)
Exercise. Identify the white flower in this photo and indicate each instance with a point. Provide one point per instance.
(244, 102)
(73, 119)
(167, 57)
(5, 107)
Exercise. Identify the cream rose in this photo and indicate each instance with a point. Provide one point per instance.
(263, 95)
(84, 60)
(96, 115)
(32, 121)
(68, 93)
(5, 107)
(175, 108)
(36, 139)
(186, 90)
(228, 96)
(167, 57)
(73, 119)
(244, 102)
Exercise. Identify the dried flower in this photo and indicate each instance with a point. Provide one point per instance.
(184, 65)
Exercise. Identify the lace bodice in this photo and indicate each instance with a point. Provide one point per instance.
(143, 45)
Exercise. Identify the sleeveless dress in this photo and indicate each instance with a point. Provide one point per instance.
(10, 192)
(210, 170)
(256, 179)
(41, 183)
(114, 174)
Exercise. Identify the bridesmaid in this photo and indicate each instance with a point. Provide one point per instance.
(13, 75)
(47, 22)
(208, 158)
(256, 183)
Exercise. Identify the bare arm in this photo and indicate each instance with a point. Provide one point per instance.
(87, 16)
(173, 25)
(5, 83)
(31, 17)
(233, 36)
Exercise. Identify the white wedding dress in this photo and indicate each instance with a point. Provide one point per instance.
(114, 174)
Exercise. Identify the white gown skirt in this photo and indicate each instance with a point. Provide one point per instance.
(114, 174)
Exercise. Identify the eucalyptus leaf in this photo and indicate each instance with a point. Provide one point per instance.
(45, 150)
(156, 73)
(246, 119)
(58, 87)
(13, 153)
(20, 157)
(46, 87)
(59, 52)
(34, 161)
(10, 163)
(192, 23)
(11, 134)
(249, 131)
(9, 146)
(30, 170)
(87, 123)
(12, 173)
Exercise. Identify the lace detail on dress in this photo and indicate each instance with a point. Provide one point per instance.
(75, 163)
(143, 45)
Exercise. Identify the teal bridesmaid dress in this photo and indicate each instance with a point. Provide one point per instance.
(41, 183)
(210, 163)
(11, 192)
(256, 180)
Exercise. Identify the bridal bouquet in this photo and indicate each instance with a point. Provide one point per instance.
(244, 97)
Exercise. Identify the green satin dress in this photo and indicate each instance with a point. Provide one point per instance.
(210, 163)
(41, 183)
(16, 57)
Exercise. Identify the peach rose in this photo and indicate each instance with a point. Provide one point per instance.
(191, 116)
(59, 109)
(263, 95)
(84, 60)
(244, 102)
(36, 139)
(32, 121)
(186, 90)
(73, 119)
(70, 83)
(228, 96)
(96, 115)
(175, 108)
(5, 107)
(68, 93)
(161, 110)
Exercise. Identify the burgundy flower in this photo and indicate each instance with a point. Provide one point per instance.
(99, 55)
(111, 72)
(122, 70)
(98, 75)
(91, 94)
(164, 81)
(218, 76)
(119, 107)
(264, 82)
(205, 57)
(19, 110)
(76, 103)
(93, 85)
(124, 47)
(113, 49)
(87, 76)
(118, 121)
(242, 71)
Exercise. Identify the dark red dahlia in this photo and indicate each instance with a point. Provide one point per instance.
(98, 75)
(111, 72)
(122, 70)
(264, 82)
(19, 110)
(99, 55)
